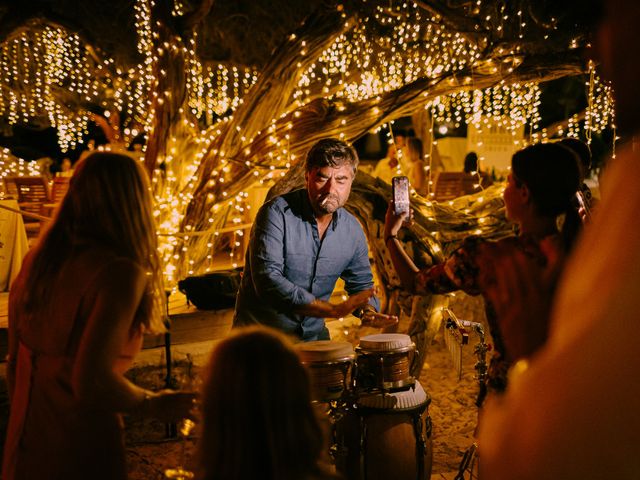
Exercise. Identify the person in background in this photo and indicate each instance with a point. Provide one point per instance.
(414, 158)
(472, 167)
(390, 166)
(471, 163)
(572, 410)
(66, 168)
(85, 295)
(136, 146)
(584, 199)
(301, 243)
(257, 416)
(543, 179)
(400, 138)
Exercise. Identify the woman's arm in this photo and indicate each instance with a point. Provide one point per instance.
(117, 293)
(453, 274)
(405, 268)
(12, 354)
(15, 295)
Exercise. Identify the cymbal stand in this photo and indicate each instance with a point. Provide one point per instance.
(457, 335)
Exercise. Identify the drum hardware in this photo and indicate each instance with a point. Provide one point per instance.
(456, 336)
(331, 378)
(373, 405)
(468, 464)
(331, 374)
(415, 416)
(330, 365)
(336, 411)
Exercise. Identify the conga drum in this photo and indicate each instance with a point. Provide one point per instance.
(387, 436)
(329, 364)
(383, 362)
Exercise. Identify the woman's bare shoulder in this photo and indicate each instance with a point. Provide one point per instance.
(97, 268)
(99, 257)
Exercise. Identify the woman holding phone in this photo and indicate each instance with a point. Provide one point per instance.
(543, 181)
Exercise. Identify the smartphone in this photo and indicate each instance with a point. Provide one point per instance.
(400, 188)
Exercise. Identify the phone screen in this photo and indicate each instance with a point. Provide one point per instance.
(400, 186)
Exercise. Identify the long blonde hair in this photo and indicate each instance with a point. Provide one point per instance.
(108, 203)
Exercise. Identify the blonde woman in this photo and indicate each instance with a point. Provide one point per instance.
(77, 311)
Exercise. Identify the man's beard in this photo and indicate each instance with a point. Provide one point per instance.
(329, 204)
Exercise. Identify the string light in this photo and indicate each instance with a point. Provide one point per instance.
(391, 48)
(12, 166)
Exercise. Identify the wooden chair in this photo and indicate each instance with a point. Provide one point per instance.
(450, 185)
(10, 188)
(33, 194)
(59, 189)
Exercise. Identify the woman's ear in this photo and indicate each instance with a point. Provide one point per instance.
(525, 193)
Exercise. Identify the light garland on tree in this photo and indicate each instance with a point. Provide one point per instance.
(368, 64)
(12, 166)
(375, 54)
(40, 70)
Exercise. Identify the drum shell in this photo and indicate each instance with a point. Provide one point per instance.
(384, 370)
(330, 380)
(330, 366)
(390, 447)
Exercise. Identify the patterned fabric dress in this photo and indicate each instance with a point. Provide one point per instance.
(466, 269)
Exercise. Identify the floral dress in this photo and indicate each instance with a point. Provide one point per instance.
(471, 268)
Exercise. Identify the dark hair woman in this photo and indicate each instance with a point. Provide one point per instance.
(543, 181)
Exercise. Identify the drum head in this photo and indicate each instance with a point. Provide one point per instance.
(324, 351)
(385, 342)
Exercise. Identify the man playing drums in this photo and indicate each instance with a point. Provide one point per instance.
(301, 243)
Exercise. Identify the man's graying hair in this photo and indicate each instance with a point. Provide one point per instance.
(330, 152)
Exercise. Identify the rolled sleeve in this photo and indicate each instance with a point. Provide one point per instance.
(268, 262)
(357, 276)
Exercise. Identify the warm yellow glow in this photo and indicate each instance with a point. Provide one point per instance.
(359, 64)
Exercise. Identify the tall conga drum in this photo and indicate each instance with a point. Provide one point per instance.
(388, 436)
(330, 365)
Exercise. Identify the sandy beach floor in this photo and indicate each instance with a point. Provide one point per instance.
(452, 410)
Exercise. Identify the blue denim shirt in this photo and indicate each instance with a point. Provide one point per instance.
(288, 265)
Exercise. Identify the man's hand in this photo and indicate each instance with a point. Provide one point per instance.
(371, 318)
(321, 308)
(355, 301)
